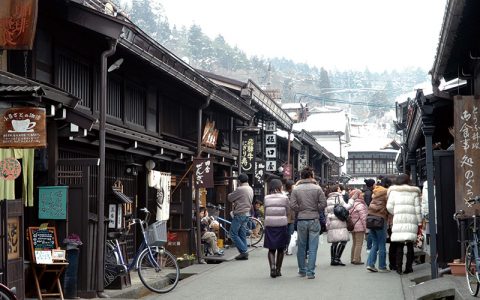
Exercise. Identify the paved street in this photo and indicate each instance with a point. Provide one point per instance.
(250, 279)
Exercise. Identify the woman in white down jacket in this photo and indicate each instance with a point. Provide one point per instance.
(276, 233)
(404, 203)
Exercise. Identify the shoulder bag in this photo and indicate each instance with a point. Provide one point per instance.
(339, 211)
(375, 222)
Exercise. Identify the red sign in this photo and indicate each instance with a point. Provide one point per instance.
(23, 128)
(18, 19)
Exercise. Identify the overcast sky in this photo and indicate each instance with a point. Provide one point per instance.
(341, 34)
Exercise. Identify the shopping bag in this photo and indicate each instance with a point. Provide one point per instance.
(293, 247)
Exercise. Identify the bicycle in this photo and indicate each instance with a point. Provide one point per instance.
(254, 230)
(472, 259)
(7, 293)
(157, 268)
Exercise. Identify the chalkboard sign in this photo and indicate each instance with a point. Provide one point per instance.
(42, 239)
(52, 202)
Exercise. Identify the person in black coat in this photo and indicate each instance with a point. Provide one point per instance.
(367, 196)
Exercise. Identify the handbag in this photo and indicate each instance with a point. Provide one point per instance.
(375, 222)
(340, 212)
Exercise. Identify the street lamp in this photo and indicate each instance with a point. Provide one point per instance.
(241, 130)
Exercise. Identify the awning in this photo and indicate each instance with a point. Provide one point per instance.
(121, 197)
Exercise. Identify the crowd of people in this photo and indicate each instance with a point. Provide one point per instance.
(384, 211)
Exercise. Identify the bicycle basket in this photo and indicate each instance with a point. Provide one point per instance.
(157, 233)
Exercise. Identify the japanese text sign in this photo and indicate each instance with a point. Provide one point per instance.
(23, 128)
(259, 173)
(210, 135)
(18, 20)
(248, 154)
(203, 173)
(303, 158)
(467, 152)
(52, 202)
(270, 139)
(270, 126)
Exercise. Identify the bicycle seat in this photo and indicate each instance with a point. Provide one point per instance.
(115, 235)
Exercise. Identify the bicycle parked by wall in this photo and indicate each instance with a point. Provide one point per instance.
(157, 268)
(254, 230)
(472, 259)
(6, 293)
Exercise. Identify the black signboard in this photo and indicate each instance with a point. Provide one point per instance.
(43, 238)
(203, 173)
(248, 154)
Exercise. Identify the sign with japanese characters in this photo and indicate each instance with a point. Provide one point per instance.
(52, 202)
(18, 20)
(203, 173)
(467, 152)
(23, 128)
(259, 173)
(270, 126)
(271, 165)
(248, 153)
(271, 152)
(10, 169)
(270, 139)
(303, 158)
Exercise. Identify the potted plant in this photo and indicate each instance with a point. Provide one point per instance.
(185, 260)
(457, 267)
(72, 241)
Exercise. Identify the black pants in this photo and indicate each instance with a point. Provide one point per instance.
(399, 255)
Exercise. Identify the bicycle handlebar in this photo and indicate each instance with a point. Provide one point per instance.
(217, 207)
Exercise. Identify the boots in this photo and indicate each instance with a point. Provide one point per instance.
(399, 258)
(333, 254)
(279, 263)
(410, 258)
(339, 252)
(271, 262)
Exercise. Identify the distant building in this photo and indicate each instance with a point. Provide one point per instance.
(370, 164)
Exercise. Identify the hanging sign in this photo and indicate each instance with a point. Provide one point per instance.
(52, 202)
(203, 173)
(210, 135)
(23, 128)
(270, 139)
(248, 154)
(270, 126)
(271, 165)
(466, 121)
(10, 168)
(303, 158)
(18, 20)
(271, 152)
(259, 172)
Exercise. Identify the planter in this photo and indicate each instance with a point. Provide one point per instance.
(458, 269)
(184, 263)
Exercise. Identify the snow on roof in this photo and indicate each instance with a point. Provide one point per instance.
(292, 105)
(284, 134)
(327, 121)
(370, 143)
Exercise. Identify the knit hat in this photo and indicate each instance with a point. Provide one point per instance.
(369, 182)
(243, 178)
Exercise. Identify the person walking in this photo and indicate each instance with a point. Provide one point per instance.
(307, 200)
(358, 213)
(337, 233)
(367, 196)
(276, 222)
(404, 204)
(290, 214)
(241, 200)
(378, 207)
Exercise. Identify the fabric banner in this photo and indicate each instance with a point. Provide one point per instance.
(203, 173)
(163, 195)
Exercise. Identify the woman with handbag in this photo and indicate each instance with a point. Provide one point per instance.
(276, 232)
(377, 223)
(358, 215)
(337, 232)
(404, 204)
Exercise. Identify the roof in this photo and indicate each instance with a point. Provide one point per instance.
(325, 122)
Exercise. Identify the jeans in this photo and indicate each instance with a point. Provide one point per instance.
(379, 240)
(369, 241)
(307, 230)
(238, 232)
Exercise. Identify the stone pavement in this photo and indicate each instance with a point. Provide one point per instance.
(241, 279)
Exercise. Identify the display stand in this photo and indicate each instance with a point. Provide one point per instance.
(42, 242)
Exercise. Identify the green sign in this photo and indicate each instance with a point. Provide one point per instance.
(52, 202)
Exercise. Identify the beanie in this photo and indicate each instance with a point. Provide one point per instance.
(243, 178)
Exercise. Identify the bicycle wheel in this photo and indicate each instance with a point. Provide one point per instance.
(256, 232)
(111, 265)
(470, 271)
(6, 294)
(159, 272)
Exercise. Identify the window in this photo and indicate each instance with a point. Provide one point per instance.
(350, 166)
(135, 102)
(363, 166)
(74, 77)
(379, 167)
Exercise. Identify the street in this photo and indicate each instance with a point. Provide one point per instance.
(250, 279)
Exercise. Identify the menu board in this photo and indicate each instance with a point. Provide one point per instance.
(42, 240)
(467, 152)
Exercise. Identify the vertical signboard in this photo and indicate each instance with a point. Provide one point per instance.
(259, 173)
(467, 152)
(203, 171)
(303, 158)
(248, 154)
(18, 20)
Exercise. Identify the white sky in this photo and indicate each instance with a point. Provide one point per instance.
(341, 34)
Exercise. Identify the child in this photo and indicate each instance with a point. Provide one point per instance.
(208, 236)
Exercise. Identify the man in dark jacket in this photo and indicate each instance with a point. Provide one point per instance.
(241, 199)
(367, 196)
(307, 200)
